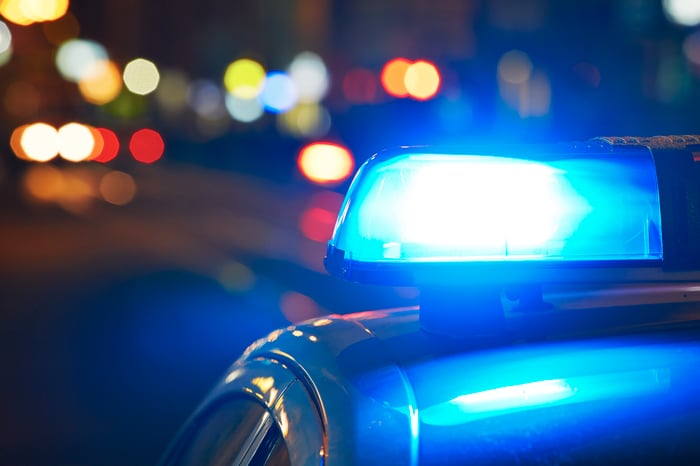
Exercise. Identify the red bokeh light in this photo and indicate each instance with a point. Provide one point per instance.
(110, 146)
(317, 224)
(146, 145)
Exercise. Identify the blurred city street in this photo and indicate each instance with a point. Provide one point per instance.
(116, 323)
(170, 173)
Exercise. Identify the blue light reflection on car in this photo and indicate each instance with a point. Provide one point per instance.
(617, 382)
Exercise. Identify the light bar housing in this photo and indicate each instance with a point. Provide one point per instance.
(592, 211)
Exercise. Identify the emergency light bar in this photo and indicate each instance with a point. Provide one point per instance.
(518, 214)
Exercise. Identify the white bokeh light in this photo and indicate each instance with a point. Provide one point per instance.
(310, 77)
(76, 58)
(683, 12)
(75, 142)
(40, 142)
(244, 110)
(141, 76)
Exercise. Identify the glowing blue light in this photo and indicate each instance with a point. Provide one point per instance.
(528, 394)
(423, 207)
(278, 94)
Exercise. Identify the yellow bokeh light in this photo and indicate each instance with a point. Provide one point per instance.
(306, 120)
(39, 142)
(141, 76)
(44, 10)
(15, 12)
(422, 80)
(244, 78)
(102, 83)
(44, 182)
(117, 188)
(75, 142)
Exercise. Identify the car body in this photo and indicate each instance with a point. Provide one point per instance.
(489, 369)
(613, 384)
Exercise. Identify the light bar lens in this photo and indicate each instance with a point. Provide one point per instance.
(426, 207)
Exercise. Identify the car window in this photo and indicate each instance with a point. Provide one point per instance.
(237, 431)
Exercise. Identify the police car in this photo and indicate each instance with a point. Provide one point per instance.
(558, 320)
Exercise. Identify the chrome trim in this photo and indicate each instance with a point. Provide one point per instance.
(254, 440)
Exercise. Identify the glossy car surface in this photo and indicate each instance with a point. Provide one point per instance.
(609, 378)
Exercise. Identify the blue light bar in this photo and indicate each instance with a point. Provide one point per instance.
(418, 208)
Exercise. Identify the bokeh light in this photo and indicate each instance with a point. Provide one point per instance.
(16, 142)
(79, 190)
(279, 93)
(102, 83)
(306, 120)
(61, 30)
(6, 56)
(422, 80)
(44, 10)
(317, 224)
(146, 145)
(683, 12)
(515, 67)
(5, 38)
(360, 86)
(75, 142)
(99, 144)
(171, 93)
(236, 277)
(117, 187)
(325, 162)
(297, 307)
(44, 182)
(393, 77)
(691, 49)
(310, 77)
(110, 146)
(15, 12)
(206, 99)
(77, 58)
(244, 78)
(244, 110)
(39, 142)
(141, 76)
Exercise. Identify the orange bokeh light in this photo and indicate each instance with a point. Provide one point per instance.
(110, 146)
(325, 162)
(146, 145)
(102, 83)
(99, 143)
(393, 77)
(16, 142)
